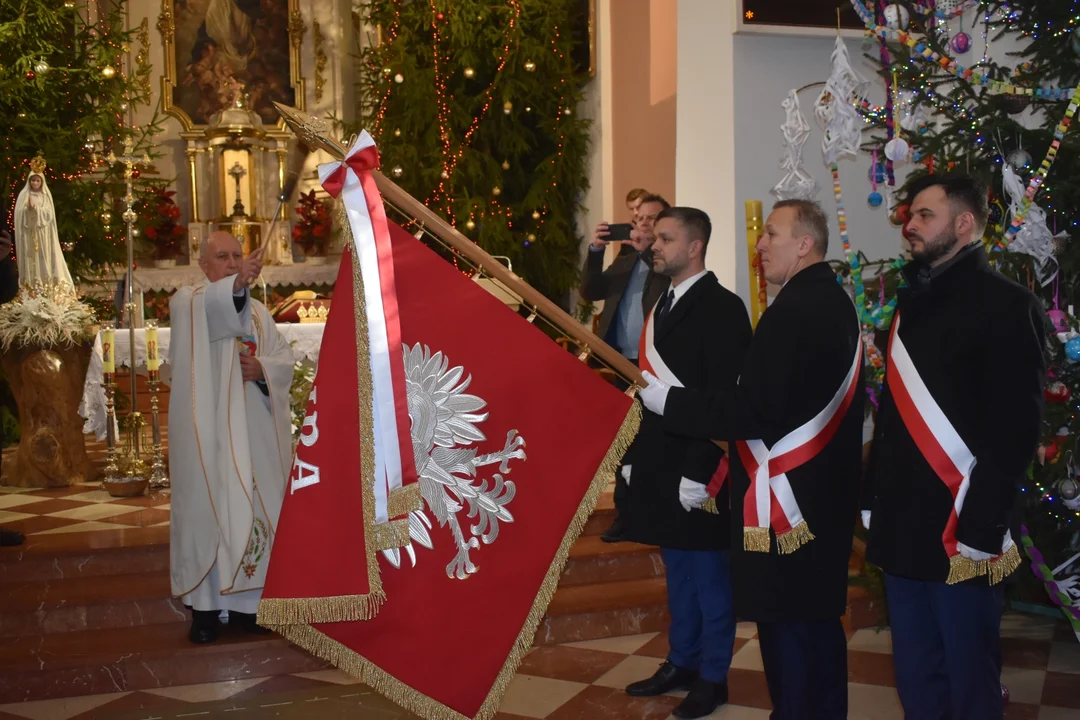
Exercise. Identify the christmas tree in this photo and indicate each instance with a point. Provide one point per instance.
(69, 74)
(473, 107)
(955, 104)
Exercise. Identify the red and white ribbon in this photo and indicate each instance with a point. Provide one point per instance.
(351, 179)
(649, 358)
(945, 451)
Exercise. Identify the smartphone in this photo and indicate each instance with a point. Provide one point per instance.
(619, 231)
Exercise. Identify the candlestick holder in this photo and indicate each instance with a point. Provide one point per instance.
(159, 474)
(112, 472)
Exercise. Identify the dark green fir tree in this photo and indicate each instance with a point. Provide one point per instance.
(473, 106)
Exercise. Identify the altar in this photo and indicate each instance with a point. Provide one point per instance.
(304, 338)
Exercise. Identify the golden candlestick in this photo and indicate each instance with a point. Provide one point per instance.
(758, 297)
(159, 475)
(108, 367)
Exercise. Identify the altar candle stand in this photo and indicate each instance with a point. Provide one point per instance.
(159, 476)
(108, 371)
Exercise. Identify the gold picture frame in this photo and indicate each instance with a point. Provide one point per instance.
(166, 25)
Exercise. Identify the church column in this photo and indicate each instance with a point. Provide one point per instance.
(705, 128)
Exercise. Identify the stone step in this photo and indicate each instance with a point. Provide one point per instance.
(138, 658)
(601, 610)
(102, 553)
(594, 561)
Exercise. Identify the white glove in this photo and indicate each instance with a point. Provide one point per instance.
(654, 395)
(978, 555)
(625, 472)
(692, 494)
(866, 519)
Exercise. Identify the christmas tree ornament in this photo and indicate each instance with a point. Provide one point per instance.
(41, 66)
(387, 72)
(496, 191)
(997, 213)
(1057, 392)
(136, 232)
(1072, 349)
(530, 237)
(900, 215)
(508, 107)
(528, 108)
(397, 132)
(135, 174)
(505, 164)
(125, 47)
(796, 182)
(67, 246)
(897, 150)
(1058, 320)
(109, 72)
(470, 225)
(960, 43)
(876, 174)
(397, 171)
(440, 17)
(1069, 488)
(1020, 159)
(106, 218)
(896, 17)
(536, 215)
(123, 106)
(567, 111)
(874, 199)
(69, 4)
(469, 73)
(530, 66)
(21, 116)
(1051, 451)
(30, 75)
(399, 78)
(444, 175)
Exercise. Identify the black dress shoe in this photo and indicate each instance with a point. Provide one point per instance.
(703, 699)
(10, 538)
(204, 627)
(614, 533)
(664, 680)
(247, 623)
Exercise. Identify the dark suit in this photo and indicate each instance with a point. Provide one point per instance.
(976, 339)
(703, 340)
(802, 352)
(9, 288)
(608, 285)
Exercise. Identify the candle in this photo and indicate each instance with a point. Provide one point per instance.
(758, 298)
(108, 350)
(153, 360)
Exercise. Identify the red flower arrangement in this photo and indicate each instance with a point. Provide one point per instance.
(314, 229)
(161, 227)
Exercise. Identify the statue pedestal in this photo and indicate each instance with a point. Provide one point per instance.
(48, 386)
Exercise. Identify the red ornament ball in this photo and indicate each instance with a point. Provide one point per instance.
(1057, 392)
(439, 16)
(1051, 451)
(30, 75)
(135, 174)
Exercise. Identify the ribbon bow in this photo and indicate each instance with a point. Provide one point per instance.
(362, 157)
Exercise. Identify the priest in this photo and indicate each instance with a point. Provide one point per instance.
(229, 437)
(796, 421)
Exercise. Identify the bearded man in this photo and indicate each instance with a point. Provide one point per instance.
(229, 437)
(956, 430)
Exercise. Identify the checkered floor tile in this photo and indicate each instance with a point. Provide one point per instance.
(79, 508)
(585, 681)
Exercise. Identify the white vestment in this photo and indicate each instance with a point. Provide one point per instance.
(37, 245)
(230, 447)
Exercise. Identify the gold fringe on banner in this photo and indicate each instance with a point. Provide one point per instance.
(709, 506)
(392, 534)
(382, 682)
(962, 568)
(404, 500)
(755, 539)
(275, 612)
(794, 539)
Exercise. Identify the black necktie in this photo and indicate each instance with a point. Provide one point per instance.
(663, 308)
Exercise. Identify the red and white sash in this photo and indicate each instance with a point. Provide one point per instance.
(648, 356)
(770, 502)
(946, 453)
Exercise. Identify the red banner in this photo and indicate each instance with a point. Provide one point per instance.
(514, 440)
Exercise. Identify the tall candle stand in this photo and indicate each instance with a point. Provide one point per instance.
(108, 353)
(132, 467)
(159, 475)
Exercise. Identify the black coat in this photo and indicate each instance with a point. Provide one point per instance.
(610, 284)
(800, 356)
(703, 340)
(977, 341)
(9, 279)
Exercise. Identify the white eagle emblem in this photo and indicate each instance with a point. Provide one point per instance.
(445, 434)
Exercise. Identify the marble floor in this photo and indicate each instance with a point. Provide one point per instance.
(584, 681)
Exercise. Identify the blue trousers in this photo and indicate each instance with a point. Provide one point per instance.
(946, 648)
(806, 668)
(702, 632)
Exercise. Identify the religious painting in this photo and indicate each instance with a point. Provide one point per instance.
(804, 13)
(584, 33)
(224, 52)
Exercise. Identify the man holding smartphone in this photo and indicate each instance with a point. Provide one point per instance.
(629, 289)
